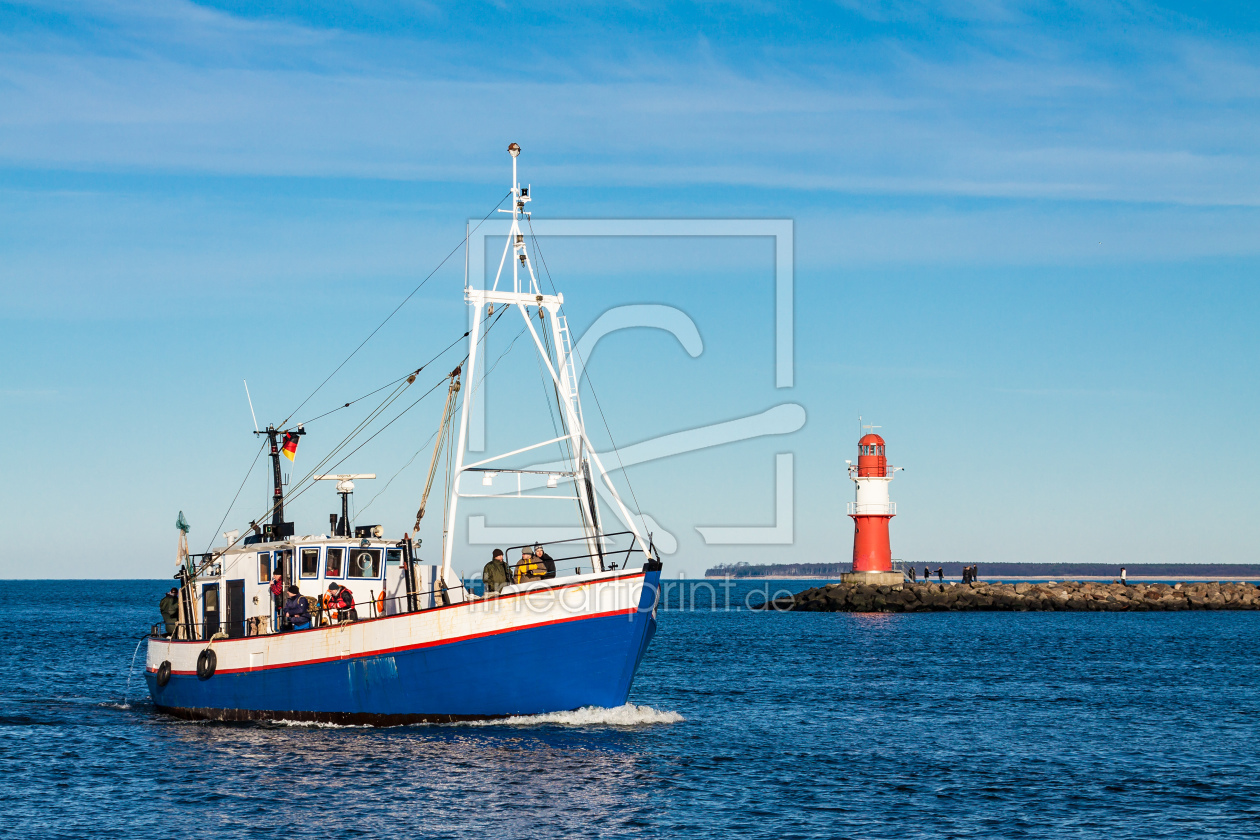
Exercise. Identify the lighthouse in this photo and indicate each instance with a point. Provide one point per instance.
(871, 511)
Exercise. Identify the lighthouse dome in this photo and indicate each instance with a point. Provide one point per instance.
(871, 458)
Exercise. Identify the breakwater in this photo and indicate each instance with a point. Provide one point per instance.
(1010, 571)
(1069, 596)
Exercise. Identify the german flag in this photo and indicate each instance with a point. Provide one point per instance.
(290, 445)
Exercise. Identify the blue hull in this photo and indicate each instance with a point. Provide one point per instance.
(533, 670)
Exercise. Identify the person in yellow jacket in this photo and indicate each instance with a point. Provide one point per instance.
(530, 568)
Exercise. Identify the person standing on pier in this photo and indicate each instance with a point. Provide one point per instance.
(1124, 576)
(940, 574)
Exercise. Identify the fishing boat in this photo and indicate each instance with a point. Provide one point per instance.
(420, 643)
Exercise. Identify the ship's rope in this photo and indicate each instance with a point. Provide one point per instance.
(463, 242)
(474, 389)
(570, 459)
(590, 383)
(410, 461)
(387, 384)
(306, 482)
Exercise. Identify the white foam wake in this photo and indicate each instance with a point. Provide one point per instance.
(319, 724)
(627, 715)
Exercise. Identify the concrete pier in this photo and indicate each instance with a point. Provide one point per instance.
(872, 578)
(1068, 596)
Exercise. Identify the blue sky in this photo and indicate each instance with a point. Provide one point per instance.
(1025, 245)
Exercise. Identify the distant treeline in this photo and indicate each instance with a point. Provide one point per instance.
(997, 571)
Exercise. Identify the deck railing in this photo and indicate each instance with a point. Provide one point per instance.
(370, 606)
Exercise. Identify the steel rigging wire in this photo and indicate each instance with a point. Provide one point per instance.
(305, 483)
(387, 384)
(377, 412)
(412, 293)
(471, 394)
(228, 512)
(586, 375)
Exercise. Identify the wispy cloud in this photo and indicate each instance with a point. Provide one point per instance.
(1011, 109)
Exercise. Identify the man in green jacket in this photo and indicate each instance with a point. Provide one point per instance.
(496, 574)
(169, 607)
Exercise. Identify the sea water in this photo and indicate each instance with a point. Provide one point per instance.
(741, 724)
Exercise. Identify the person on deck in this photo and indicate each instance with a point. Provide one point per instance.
(549, 565)
(277, 592)
(169, 607)
(342, 602)
(496, 574)
(296, 610)
(528, 569)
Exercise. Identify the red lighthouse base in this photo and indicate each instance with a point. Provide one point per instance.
(871, 549)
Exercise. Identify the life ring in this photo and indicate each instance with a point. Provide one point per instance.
(206, 663)
(164, 673)
(380, 603)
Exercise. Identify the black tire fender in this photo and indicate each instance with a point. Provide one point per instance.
(206, 663)
(164, 673)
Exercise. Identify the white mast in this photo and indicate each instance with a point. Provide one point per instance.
(562, 374)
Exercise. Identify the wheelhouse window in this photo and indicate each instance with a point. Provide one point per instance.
(365, 563)
(310, 562)
(393, 557)
(332, 563)
(264, 567)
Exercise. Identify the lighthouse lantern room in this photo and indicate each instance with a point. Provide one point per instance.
(871, 511)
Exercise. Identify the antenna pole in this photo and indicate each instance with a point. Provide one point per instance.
(516, 229)
(251, 407)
